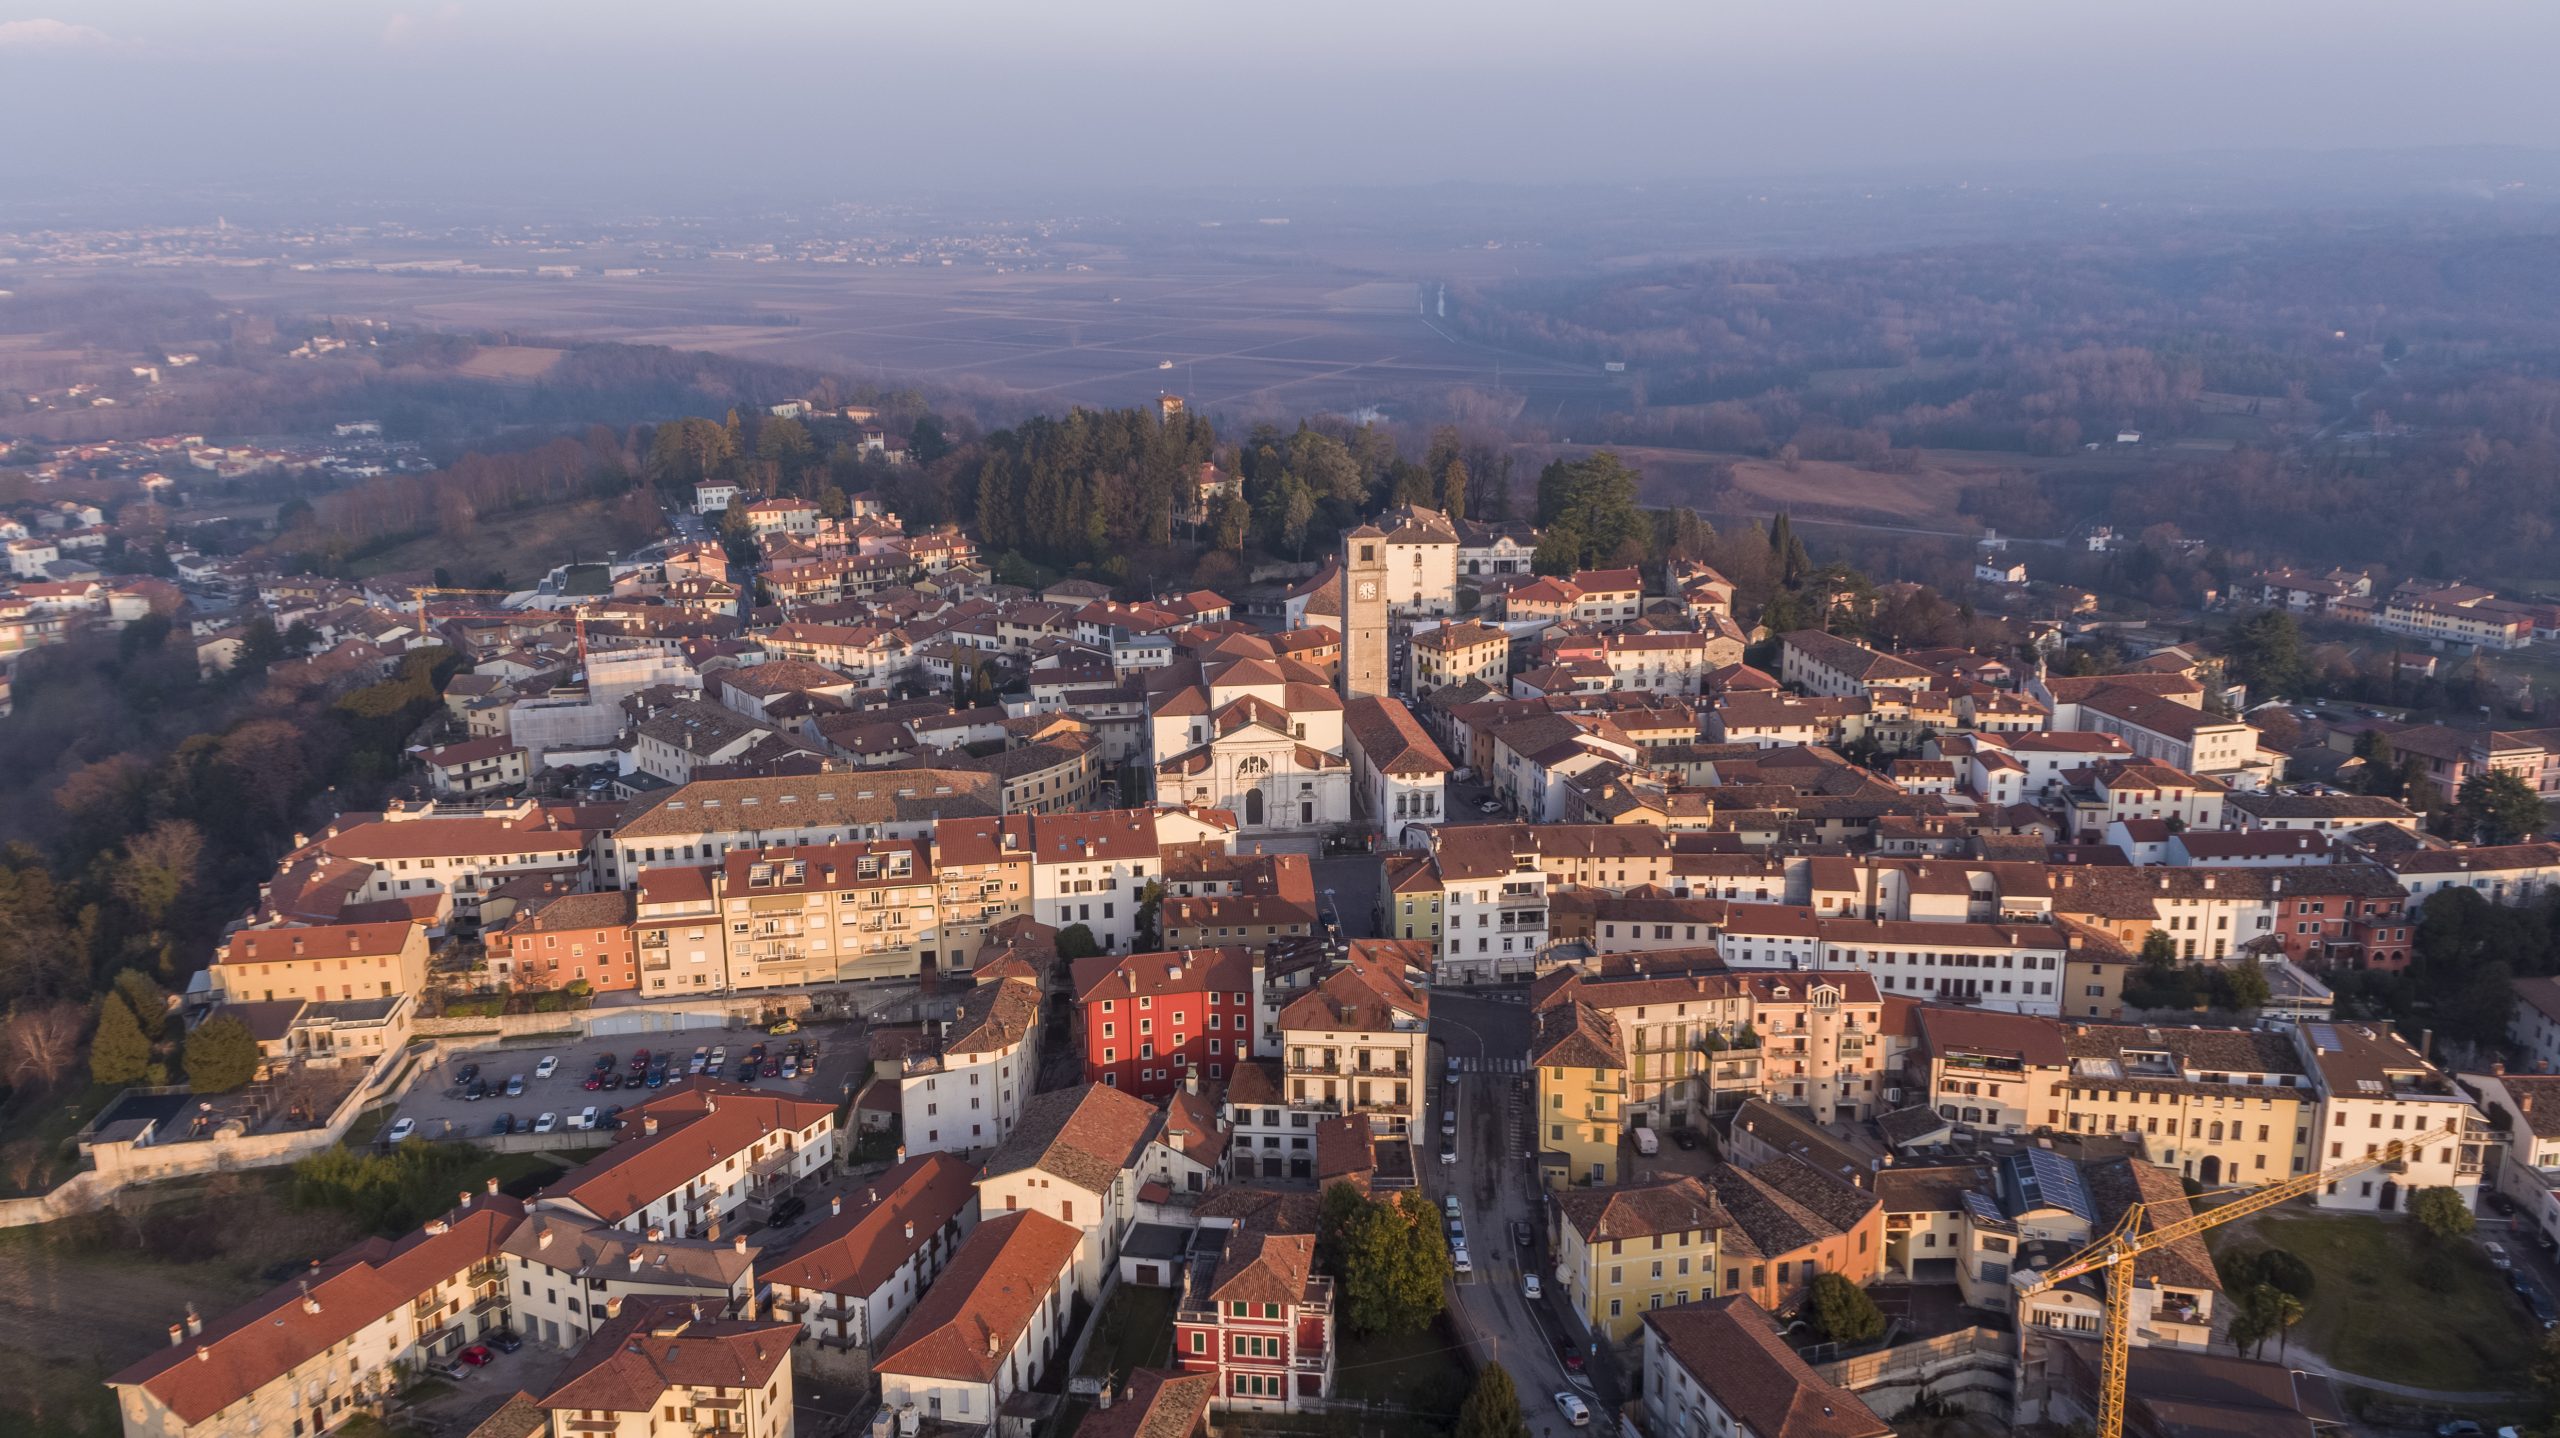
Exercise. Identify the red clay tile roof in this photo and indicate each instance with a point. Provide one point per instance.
(1732, 1349)
(1085, 1135)
(699, 1127)
(631, 1361)
(979, 1306)
(856, 1251)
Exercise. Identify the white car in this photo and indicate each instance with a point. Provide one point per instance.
(1575, 1411)
(1451, 1205)
(400, 1130)
(720, 1057)
(546, 1123)
(1529, 1287)
(1458, 1259)
(1448, 1123)
(1449, 1156)
(586, 1119)
(550, 1065)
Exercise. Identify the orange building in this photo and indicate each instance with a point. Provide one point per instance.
(572, 938)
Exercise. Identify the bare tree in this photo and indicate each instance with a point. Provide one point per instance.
(39, 1045)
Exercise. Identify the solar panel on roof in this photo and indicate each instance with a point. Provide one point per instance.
(2324, 1037)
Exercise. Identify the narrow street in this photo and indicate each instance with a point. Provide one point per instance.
(1496, 1182)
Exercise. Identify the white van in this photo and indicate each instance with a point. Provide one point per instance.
(1646, 1143)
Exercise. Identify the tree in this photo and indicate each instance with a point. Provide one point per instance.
(1076, 941)
(2245, 987)
(2266, 650)
(1453, 489)
(159, 864)
(2441, 1212)
(2285, 1310)
(1843, 1311)
(40, 1043)
(1492, 1409)
(1395, 1266)
(2498, 807)
(1341, 1205)
(221, 1055)
(927, 442)
(149, 1002)
(118, 1052)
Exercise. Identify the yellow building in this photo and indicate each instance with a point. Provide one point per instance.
(1456, 653)
(323, 963)
(826, 912)
(1621, 1252)
(1412, 903)
(1582, 1094)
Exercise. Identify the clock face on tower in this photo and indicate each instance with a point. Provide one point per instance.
(1368, 589)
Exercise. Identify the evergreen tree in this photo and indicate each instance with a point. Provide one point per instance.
(221, 1055)
(2498, 807)
(1395, 1266)
(1453, 489)
(118, 1052)
(1492, 1409)
(1843, 1311)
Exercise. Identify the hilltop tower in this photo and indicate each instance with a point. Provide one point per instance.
(1364, 613)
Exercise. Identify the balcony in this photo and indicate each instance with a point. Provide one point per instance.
(1315, 1066)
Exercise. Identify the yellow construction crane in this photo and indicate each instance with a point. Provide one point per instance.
(2115, 1250)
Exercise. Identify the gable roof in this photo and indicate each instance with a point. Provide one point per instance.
(982, 1301)
(1086, 1136)
(1732, 1349)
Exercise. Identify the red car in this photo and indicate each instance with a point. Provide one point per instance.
(594, 1082)
(477, 1355)
(1572, 1357)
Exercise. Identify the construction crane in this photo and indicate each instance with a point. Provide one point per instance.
(2115, 1251)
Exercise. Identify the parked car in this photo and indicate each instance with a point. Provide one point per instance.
(452, 1369)
(2502, 1205)
(515, 1085)
(594, 1082)
(586, 1119)
(1575, 1411)
(1458, 1260)
(1489, 806)
(474, 1091)
(1529, 1287)
(1448, 1123)
(1449, 1154)
(719, 1055)
(546, 1123)
(782, 1026)
(790, 1066)
(788, 1210)
(611, 1120)
(466, 1074)
(401, 1128)
(1520, 1232)
(504, 1340)
(639, 1061)
(1571, 1356)
(1687, 1138)
(505, 1125)
(604, 1063)
(700, 1061)
(1457, 1231)
(550, 1065)
(478, 1355)
(772, 1069)
(2497, 1253)
(657, 1076)
(1449, 1205)
(2458, 1428)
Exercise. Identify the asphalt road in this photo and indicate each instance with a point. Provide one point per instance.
(1349, 885)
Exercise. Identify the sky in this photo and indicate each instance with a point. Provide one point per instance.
(328, 98)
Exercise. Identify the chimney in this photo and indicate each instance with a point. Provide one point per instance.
(632, 1260)
(195, 1321)
(464, 1199)
(613, 1305)
(177, 1335)
(309, 1303)
(492, 1186)
(902, 1153)
(2524, 1102)
(991, 1343)
(739, 1243)
(657, 1233)
(543, 1239)
(649, 1126)
(835, 1205)
(911, 1230)
(203, 1354)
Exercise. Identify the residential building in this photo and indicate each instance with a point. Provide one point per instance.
(854, 1273)
(1356, 1039)
(668, 1370)
(1720, 1369)
(827, 913)
(1149, 1018)
(2376, 1091)
(1457, 652)
(1398, 775)
(474, 767)
(567, 939)
(567, 1274)
(322, 962)
(1075, 1157)
(962, 1088)
(694, 1157)
(1213, 899)
(1257, 1315)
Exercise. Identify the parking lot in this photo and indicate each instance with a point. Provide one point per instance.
(484, 1390)
(440, 1110)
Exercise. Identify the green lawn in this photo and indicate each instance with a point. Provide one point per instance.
(1426, 1370)
(2391, 1305)
(1133, 1330)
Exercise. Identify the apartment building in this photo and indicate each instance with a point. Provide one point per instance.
(321, 963)
(1074, 1157)
(982, 874)
(1458, 652)
(679, 939)
(700, 1155)
(1763, 1231)
(1356, 1040)
(1825, 664)
(1214, 899)
(962, 1087)
(309, 1354)
(829, 913)
(2377, 1092)
(1720, 1369)
(568, 939)
(702, 822)
(568, 1274)
(988, 1328)
(670, 1370)
(853, 1274)
(1093, 868)
(1151, 1018)
(415, 850)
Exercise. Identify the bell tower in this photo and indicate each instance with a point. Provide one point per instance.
(1364, 613)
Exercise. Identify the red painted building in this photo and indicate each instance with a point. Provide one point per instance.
(1261, 1318)
(1150, 1017)
(2347, 916)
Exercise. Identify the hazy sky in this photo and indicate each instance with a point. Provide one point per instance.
(303, 97)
